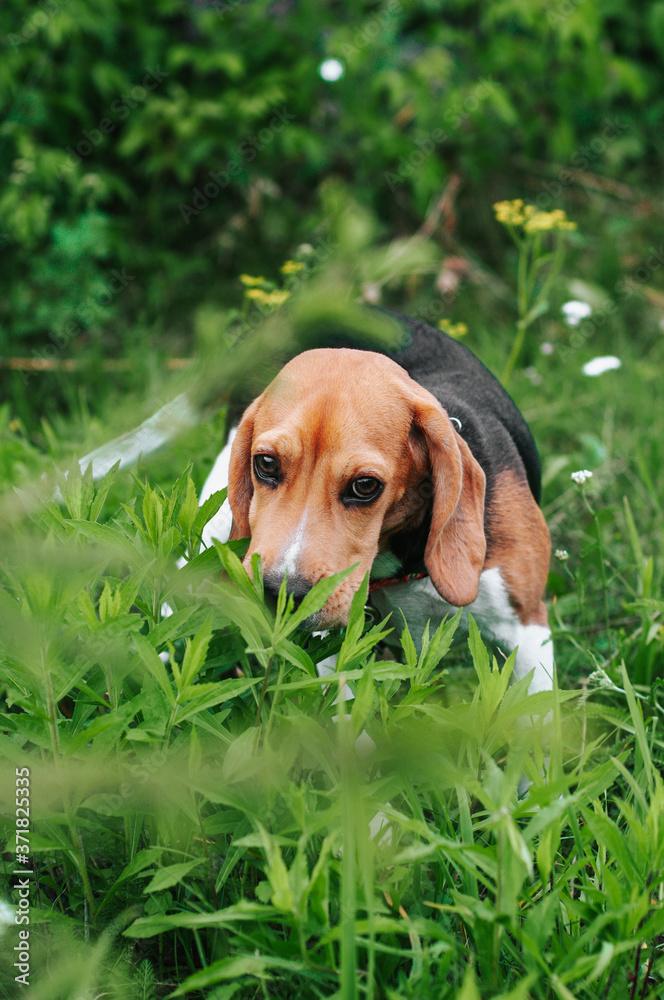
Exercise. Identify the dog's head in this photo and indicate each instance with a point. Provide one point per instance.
(342, 450)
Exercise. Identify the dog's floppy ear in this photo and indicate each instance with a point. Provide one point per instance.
(240, 484)
(456, 547)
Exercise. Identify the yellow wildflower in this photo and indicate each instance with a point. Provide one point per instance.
(247, 279)
(515, 213)
(257, 294)
(539, 222)
(276, 298)
(510, 213)
(453, 329)
(291, 267)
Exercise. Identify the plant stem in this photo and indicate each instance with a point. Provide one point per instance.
(348, 980)
(282, 666)
(263, 691)
(555, 266)
(602, 568)
(526, 274)
(517, 344)
(77, 843)
(522, 308)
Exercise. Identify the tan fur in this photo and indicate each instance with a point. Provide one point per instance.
(520, 546)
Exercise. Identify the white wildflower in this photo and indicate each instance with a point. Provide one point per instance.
(600, 678)
(597, 366)
(581, 476)
(576, 311)
(562, 554)
(331, 70)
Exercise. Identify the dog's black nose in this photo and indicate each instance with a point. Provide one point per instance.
(296, 586)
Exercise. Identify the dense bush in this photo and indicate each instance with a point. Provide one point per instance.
(153, 151)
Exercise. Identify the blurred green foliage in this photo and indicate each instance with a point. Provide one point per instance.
(203, 815)
(151, 152)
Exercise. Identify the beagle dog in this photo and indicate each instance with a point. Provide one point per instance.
(413, 465)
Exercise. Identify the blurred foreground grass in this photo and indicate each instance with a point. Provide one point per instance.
(199, 830)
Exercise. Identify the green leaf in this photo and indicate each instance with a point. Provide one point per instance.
(257, 575)
(208, 509)
(195, 653)
(634, 540)
(277, 873)
(608, 834)
(235, 569)
(153, 515)
(155, 667)
(243, 911)
(479, 653)
(356, 616)
(639, 728)
(522, 991)
(201, 567)
(299, 657)
(469, 989)
(433, 651)
(180, 494)
(200, 697)
(142, 860)
(352, 653)
(188, 512)
(177, 625)
(408, 646)
(234, 968)
(313, 601)
(171, 875)
(112, 724)
(365, 696)
(111, 538)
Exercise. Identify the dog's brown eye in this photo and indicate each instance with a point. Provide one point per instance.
(266, 468)
(364, 488)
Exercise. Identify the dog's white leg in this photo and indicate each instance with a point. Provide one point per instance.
(497, 619)
(535, 650)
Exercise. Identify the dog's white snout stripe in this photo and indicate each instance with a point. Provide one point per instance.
(289, 563)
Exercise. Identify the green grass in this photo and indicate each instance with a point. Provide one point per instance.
(209, 833)
(199, 822)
